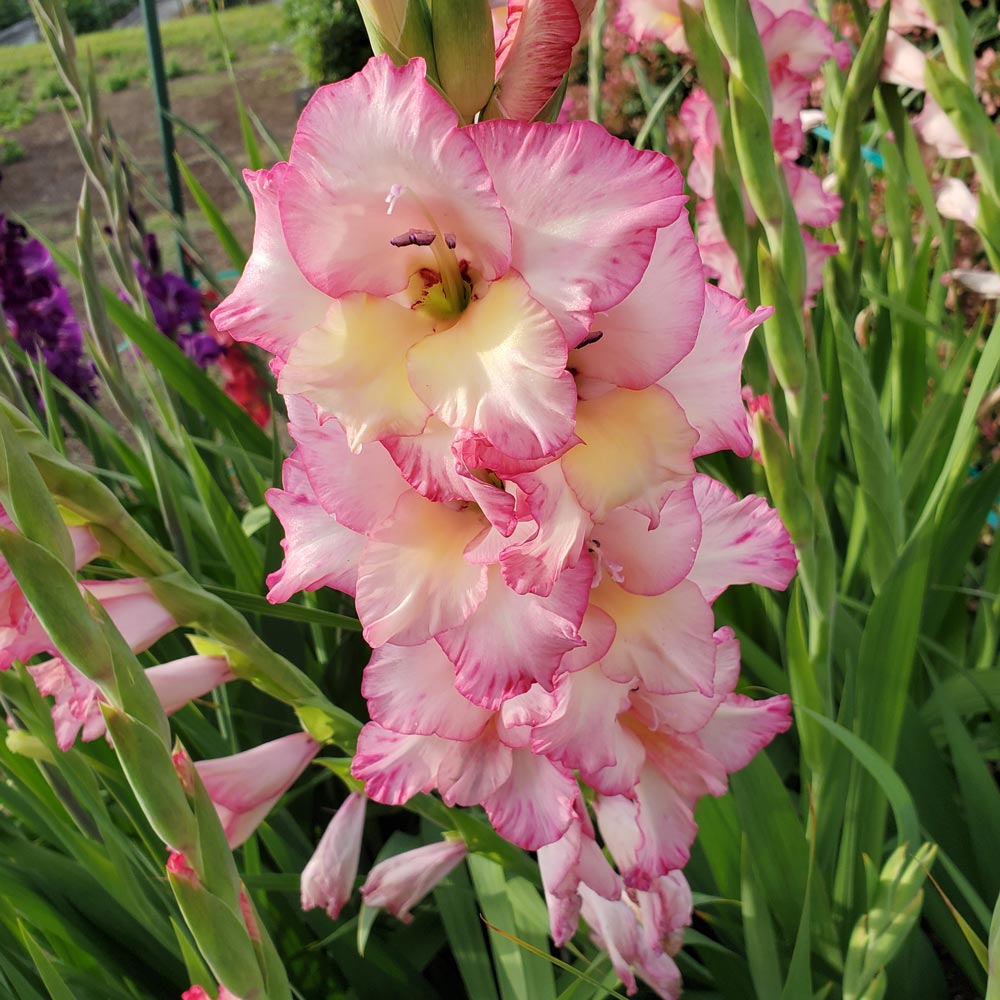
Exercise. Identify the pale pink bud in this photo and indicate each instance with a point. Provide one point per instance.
(935, 128)
(246, 786)
(400, 882)
(328, 878)
(178, 681)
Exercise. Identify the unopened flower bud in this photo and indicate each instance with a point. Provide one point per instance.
(463, 50)
(400, 29)
(400, 882)
(178, 867)
(328, 879)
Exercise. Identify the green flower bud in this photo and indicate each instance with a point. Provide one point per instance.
(880, 933)
(145, 759)
(220, 931)
(400, 29)
(464, 53)
(783, 332)
(21, 742)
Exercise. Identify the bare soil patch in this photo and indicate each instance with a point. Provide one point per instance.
(43, 189)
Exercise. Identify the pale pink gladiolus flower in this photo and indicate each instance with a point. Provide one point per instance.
(954, 200)
(654, 20)
(78, 699)
(142, 620)
(935, 128)
(21, 634)
(317, 284)
(246, 786)
(134, 609)
(177, 682)
(984, 283)
(615, 926)
(566, 863)
(903, 63)
(398, 883)
(328, 878)
(906, 15)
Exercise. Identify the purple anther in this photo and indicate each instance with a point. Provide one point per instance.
(414, 238)
(592, 339)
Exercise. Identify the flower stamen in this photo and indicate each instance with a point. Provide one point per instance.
(453, 286)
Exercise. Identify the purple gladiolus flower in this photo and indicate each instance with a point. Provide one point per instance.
(176, 307)
(38, 310)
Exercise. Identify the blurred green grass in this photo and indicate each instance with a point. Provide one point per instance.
(28, 83)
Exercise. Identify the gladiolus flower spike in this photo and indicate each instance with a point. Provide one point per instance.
(500, 359)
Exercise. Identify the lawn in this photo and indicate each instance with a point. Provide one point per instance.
(29, 82)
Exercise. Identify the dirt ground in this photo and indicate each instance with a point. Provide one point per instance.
(43, 189)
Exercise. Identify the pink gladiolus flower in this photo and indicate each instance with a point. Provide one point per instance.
(521, 302)
(906, 15)
(506, 481)
(328, 878)
(398, 883)
(246, 786)
(984, 283)
(179, 681)
(903, 63)
(935, 128)
(617, 928)
(134, 609)
(142, 620)
(78, 699)
(21, 634)
(654, 20)
(796, 44)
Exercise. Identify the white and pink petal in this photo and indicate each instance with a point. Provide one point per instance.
(706, 383)
(383, 135)
(410, 689)
(583, 239)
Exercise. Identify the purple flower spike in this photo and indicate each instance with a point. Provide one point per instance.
(38, 310)
(176, 307)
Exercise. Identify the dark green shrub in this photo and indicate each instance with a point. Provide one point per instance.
(329, 38)
(96, 15)
(11, 151)
(12, 11)
(50, 87)
(118, 80)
